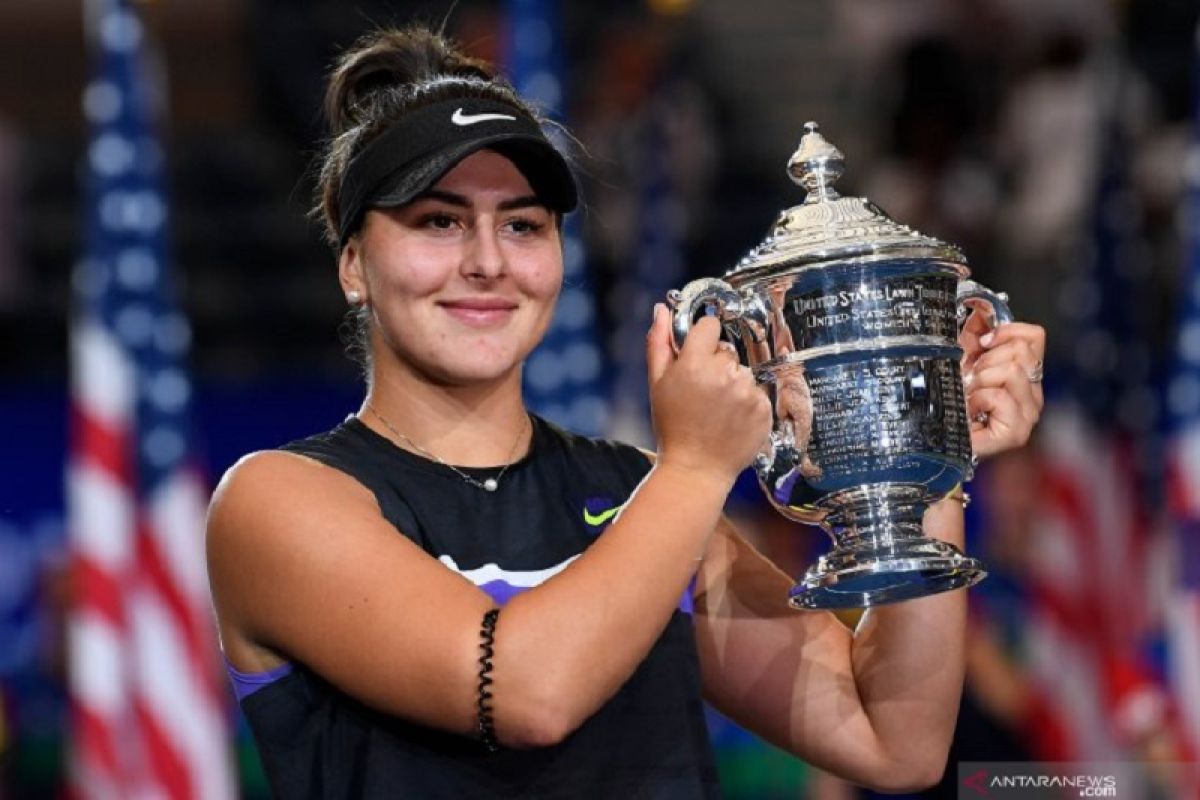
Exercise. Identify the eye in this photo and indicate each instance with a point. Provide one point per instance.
(438, 220)
(526, 224)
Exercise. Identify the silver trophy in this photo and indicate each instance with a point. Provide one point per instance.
(850, 323)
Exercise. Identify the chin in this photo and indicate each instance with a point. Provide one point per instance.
(479, 369)
(457, 361)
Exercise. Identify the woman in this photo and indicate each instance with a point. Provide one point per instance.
(375, 664)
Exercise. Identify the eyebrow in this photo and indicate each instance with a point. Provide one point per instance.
(450, 198)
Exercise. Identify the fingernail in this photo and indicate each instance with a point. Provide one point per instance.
(986, 339)
(658, 307)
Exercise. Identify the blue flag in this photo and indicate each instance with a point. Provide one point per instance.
(565, 376)
(1183, 402)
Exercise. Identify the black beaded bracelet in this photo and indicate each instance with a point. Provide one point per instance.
(487, 637)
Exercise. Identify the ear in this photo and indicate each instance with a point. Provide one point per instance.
(351, 274)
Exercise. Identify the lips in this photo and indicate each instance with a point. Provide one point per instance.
(479, 311)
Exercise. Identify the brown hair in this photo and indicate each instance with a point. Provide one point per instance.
(383, 76)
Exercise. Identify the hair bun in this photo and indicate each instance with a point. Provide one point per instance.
(383, 76)
(384, 62)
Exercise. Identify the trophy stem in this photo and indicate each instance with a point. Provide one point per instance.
(877, 514)
(880, 552)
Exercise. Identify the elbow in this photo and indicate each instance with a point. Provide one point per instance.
(538, 711)
(541, 697)
(536, 725)
(908, 777)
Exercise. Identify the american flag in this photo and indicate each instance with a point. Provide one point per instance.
(148, 718)
(1091, 555)
(564, 377)
(1183, 401)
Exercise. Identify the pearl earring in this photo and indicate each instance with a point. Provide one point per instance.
(353, 297)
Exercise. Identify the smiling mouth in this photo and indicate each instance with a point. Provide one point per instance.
(479, 314)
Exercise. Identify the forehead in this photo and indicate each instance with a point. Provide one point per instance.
(485, 171)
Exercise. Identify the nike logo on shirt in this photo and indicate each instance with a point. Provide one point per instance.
(601, 518)
(459, 118)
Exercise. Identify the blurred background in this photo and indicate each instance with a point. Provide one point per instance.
(167, 306)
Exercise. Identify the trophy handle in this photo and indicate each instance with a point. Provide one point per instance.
(747, 312)
(974, 296)
(731, 307)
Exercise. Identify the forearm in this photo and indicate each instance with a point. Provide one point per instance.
(908, 663)
(566, 647)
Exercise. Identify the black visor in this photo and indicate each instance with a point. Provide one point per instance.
(415, 152)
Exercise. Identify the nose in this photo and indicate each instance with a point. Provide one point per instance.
(483, 259)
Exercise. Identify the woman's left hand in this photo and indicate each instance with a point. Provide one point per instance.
(1002, 375)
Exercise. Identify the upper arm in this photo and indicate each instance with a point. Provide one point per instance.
(302, 563)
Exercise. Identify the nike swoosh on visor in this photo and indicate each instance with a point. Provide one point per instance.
(459, 118)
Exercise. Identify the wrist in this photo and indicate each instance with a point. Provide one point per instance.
(697, 477)
(957, 495)
(944, 519)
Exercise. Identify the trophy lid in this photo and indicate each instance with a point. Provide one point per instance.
(827, 226)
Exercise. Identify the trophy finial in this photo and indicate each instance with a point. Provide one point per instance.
(816, 165)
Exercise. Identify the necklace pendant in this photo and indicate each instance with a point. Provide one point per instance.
(489, 485)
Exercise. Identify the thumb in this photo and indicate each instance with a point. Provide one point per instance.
(659, 353)
(968, 338)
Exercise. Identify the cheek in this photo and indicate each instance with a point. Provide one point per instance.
(415, 276)
(550, 285)
(544, 279)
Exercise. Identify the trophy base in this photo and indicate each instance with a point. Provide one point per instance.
(874, 575)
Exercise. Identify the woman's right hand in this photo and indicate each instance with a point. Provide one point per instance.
(709, 414)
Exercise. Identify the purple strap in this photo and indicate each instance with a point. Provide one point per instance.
(247, 683)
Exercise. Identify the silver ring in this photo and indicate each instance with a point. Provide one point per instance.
(1035, 375)
(982, 418)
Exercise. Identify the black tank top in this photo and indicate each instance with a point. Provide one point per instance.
(649, 741)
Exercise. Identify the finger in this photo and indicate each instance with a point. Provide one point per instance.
(1012, 378)
(701, 339)
(992, 409)
(659, 353)
(978, 323)
(724, 346)
(744, 378)
(746, 385)
(1034, 335)
(976, 326)
(1005, 428)
(727, 353)
(764, 412)
(1019, 352)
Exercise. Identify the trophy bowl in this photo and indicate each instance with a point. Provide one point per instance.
(850, 321)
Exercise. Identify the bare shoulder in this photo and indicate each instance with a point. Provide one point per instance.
(268, 505)
(273, 502)
(273, 482)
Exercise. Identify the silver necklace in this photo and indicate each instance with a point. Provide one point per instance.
(489, 485)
